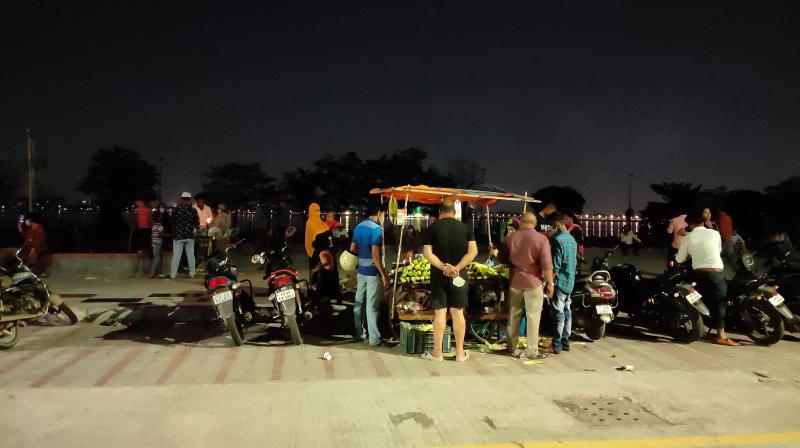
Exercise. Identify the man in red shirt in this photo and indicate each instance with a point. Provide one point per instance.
(726, 232)
(530, 261)
(140, 239)
(35, 252)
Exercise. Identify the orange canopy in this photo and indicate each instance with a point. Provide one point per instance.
(434, 195)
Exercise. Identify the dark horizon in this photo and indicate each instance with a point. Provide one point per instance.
(573, 94)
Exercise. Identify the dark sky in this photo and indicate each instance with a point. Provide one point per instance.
(576, 93)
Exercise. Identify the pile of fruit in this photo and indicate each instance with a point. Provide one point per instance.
(419, 271)
(479, 271)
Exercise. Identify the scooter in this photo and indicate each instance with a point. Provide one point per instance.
(594, 299)
(27, 299)
(755, 306)
(290, 307)
(664, 303)
(234, 306)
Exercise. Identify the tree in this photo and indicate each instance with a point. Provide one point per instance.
(466, 173)
(115, 178)
(566, 199)
(237, 184)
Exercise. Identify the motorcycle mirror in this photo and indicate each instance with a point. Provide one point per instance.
(257, 259)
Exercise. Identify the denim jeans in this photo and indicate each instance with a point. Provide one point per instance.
(368, 292)
(156, 265)
(563, 319)
(178, 246)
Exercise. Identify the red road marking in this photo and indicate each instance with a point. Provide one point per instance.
(60, 369)
(277, 367)
(121, 364)
(378, 364)
(475, 364)
(174, 364)
(329, 373)
(26, 357)
(233, 352)
(428, 366)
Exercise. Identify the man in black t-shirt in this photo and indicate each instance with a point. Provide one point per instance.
(544, 224)
(449, 245)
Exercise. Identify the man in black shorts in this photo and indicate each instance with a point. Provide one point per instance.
(449, 245)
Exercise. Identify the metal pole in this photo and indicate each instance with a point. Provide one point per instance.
(397, 261)
(30, 169)
(525, 204)
(489, 227)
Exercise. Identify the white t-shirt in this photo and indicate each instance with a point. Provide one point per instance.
(704, 246)
(205, 215)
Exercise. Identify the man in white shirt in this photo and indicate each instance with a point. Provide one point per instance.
(704, 246)
(204, 213)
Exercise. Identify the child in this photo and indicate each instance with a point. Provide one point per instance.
(156, 242)
(325, 276)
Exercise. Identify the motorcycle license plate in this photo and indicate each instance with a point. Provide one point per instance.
(693, 297)
(222, 297)
(284, 295)
(604, 309)
(776, 300)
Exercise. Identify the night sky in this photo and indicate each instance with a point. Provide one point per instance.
(569, 93)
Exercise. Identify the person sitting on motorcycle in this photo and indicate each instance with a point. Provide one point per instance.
(704, 246)
(325, 275)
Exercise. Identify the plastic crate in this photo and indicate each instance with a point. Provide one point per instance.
(414, 341)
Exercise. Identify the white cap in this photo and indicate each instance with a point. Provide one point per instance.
(186, 195)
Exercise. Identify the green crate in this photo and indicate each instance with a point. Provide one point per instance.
(414, 341)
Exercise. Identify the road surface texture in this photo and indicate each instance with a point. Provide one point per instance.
(149, 382)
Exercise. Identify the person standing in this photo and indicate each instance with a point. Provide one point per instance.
(529, 256)
(544, 218)
(315, 228)
(185, 225)
(708, 223)
(676, 228)
(371, 276)
(282, 221)
(628, 240)
(204, 214)
(576, 231)
(565, 263)
(156, 242)
(35, 252)
(140, 239)
(222, 223)
(449, 245)
(726, 233)
(704, 246)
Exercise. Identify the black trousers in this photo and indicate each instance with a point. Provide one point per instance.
(714, 289)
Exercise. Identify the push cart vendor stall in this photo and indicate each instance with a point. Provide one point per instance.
(486, 311)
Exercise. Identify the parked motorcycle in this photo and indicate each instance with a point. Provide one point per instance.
(233, 305)
(786, 279)
(594, 299)
(755, 307)
(27, 299)
(665, 303)
(290, 307)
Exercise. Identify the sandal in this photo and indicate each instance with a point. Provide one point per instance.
(464, 359)
(728, 342)
(428, 357)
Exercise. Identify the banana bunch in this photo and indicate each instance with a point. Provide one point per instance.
(419, 271)
(479, 271)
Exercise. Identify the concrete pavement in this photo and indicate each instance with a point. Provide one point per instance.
(185, 385)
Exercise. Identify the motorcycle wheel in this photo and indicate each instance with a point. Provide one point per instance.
(230, 324)
(291, 323)
(64, 312)
(764, 325)
(595, 329)
(686, 326)
(9, 335)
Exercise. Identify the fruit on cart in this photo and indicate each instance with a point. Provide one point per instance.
(480, 271)
(418, 271)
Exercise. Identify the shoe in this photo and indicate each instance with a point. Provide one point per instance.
(565, 348)
(539, 356)
(556, 350)
(727, 341)
(519, 354)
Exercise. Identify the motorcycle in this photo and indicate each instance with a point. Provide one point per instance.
(787, 280)
(234, 306)
(755, 307)
(290, 307)
(27, 299)
(664, 303)
(594, 299)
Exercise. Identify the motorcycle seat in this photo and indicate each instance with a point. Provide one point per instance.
(649, 275)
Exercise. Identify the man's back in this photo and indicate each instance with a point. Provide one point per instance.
(365, 235)
(565, 261)
(529, 254)
(703, 246)
(449, 239)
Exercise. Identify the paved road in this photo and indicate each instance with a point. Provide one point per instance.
(185, 385)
